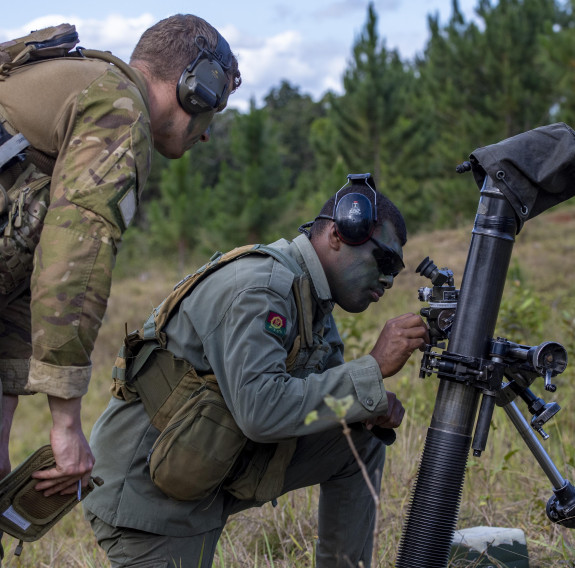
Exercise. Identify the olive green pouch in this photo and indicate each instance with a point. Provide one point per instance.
(26, 514)
(200, 451)
(197, 450)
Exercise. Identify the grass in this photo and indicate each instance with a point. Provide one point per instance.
(505, 487)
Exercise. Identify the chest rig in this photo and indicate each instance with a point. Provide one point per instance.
(200, 449)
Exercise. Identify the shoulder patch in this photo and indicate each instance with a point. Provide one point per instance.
(276, 324)
(127, 206)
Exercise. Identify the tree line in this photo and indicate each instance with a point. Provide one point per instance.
(408, 122)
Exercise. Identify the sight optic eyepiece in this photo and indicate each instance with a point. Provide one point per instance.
(438, 277)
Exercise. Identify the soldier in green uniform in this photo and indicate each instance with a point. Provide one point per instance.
(65, 203)
(240, 324)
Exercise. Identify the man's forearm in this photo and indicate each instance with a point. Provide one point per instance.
(74, 460)
(66, 413)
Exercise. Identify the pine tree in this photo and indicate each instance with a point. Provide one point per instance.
(177, 217)
(369, 117)
(252, 191)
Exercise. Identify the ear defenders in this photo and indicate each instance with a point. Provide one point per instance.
(353, 214)
(203, 85)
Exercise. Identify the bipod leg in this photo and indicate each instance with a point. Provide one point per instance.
(534, 445)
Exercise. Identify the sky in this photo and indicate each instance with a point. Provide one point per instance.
(306, 42)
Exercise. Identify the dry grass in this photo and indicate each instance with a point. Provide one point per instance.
(505, 487)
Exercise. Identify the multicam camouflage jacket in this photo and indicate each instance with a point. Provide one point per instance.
(94, 121)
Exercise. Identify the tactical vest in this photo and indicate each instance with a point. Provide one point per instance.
(200, 448)
(25, 172)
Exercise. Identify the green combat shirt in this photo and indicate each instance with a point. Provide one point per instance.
(95, 121)
(240, 322)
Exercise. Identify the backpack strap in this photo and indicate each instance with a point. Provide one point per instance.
(42, 45)
(55, 42)
(139, 345)
(10, 147)
(130, 72)
(164, 383)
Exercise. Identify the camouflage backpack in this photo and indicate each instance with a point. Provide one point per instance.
(24, 203)
(25, 173)
(200, 448)
(50, 42)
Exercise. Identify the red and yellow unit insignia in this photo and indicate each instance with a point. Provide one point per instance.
(276, 324)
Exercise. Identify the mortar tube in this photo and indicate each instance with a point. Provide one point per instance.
(434, 508)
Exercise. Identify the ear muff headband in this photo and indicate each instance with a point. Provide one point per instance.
(354, 216)
(203, 85)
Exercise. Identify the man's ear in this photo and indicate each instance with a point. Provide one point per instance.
(333, 238)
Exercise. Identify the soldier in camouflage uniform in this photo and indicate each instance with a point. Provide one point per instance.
(242, 324)
(91, 127)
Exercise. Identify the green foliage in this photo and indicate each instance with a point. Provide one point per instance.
(354, 333)
(557, 56)
(480, 82)
(371, 117)
(176, 217)
(292, 115)
(339, 406)
(486, 79)
(409, 123)
(522, 312)
(251, 192)
(567, 321)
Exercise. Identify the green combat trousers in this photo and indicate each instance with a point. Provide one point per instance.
(346, 510)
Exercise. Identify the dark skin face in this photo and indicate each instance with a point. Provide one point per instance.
(355, 281)
(353, 274)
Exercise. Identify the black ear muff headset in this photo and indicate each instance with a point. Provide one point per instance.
(203, 86)
(354, 217)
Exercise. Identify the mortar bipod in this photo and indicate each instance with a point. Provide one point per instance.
(546, 360)
(521, 365)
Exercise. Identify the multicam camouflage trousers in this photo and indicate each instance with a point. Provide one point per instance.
(15, 340)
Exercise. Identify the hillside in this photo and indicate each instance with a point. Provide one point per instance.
(503, 488)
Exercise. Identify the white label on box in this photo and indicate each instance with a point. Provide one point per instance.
(15, 518)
